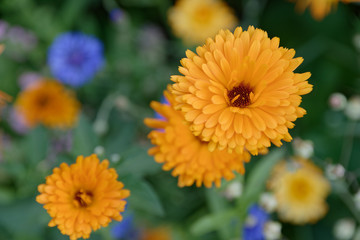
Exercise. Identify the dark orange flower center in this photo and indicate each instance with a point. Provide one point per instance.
(42, 100)
(83, 198)
(239, 96)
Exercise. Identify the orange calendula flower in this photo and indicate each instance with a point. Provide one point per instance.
(319, 8)
(49, 103)
(239, 91)
(300, 190)
(196, 20)
(186, 154)
(83, 197)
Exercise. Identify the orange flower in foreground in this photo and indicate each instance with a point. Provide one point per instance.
(83, 197)
(190, 157)
(239, 91)
(319, 8)
(49, 103)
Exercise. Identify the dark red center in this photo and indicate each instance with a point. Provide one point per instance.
(239, 96)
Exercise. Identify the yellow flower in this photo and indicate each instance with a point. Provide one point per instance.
(190, 158)
(83, 196)
(319, 8)
(49, 103)
(300, 190)
(196, 20)
(239, 91)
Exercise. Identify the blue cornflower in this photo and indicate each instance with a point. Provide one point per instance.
(74, 58)
(125, 230)
(255, 222)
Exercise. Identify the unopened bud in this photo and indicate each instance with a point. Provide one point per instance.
(352, 109)
(233, 190)
(99, 150)
(303, 148)
(272, 230)
(334, 171)
(268, 202)
(344, 229)
(337, 101)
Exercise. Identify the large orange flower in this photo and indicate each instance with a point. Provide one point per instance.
(239, 91)
(83, 197)
(49, 103)
(185, 153)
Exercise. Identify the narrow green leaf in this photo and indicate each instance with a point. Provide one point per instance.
(85, 139)
(212, 222)
(36, 143)
(255, 183)
(142, 196)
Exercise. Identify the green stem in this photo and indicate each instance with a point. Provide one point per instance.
(348, 144)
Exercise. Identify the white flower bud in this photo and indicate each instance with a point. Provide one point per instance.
(356, 199)
(352, 109)
(334, 171)
(233, 190)
(100, 127)
(356, 41)
(344, 229)
(272, 230)
(268, 202)
(337, 101)
(303, 148)
(122, 102)
(115, 157)
(99, 150)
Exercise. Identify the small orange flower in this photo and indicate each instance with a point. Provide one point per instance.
(239, 91)
(189, 156)
(83, 197)
(49, 103)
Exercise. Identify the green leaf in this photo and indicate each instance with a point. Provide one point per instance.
(36, 143)
(85, 139)
(142, 196)
(255, 183)
(212, 222)
(136, 161)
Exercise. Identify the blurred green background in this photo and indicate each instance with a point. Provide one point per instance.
(141, 54)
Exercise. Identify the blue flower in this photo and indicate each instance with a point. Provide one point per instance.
(125, 230)
(254, 225)
(74, 58)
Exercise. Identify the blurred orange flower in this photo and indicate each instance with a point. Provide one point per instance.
(196, 20)
(49, 103)
(83, 197)
(319, 8)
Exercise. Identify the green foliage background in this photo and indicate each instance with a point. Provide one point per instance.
(139, 63)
